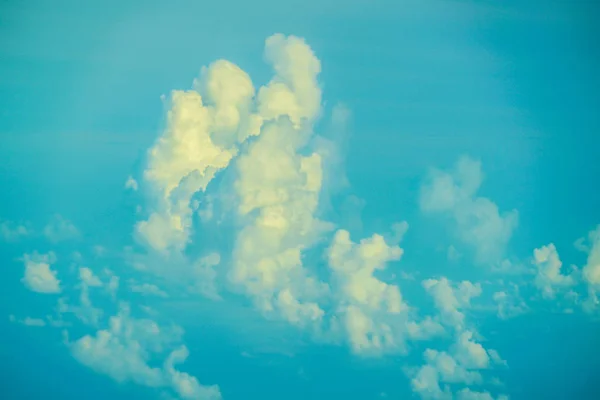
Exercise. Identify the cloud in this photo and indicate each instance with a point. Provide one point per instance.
(131, 184)
(278, 195)
(549, 278)
(451, 299)
(148, 289)
(442, 369)
(466, 358)
(461, 366)
(294, 91)
(274, 171)
(186, 385)
(591, 270)
(468, 394)
(470, 353)
(122, 351)
(478, 221)
(88, 277)
(28, 321)
(60, 229)
(10, 231)
(509, 304)
(203, 129)
(278, 189)
(39, 277)
(368, 306)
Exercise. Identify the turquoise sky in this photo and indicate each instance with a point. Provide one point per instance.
(299, 200)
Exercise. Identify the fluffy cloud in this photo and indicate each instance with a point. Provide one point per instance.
(131, 183)
(294, 91)
(460, 366)
(468, 394)
(368, 306)
(509, 303)
(264, 143)
(549, 278)
(451, 299)
(28, 321)
(478, 221)
(591, 270)
(123, 351)
(203, 129)
(148, 289)
(9, 231)
(39, 277)
(278, 190)
(60, 229)
(466, 357)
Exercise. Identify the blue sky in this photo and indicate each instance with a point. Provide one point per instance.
(306, 199)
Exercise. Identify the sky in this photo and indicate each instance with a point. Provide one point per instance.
(304, 199)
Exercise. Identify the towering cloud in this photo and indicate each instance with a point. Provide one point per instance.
(477, 220)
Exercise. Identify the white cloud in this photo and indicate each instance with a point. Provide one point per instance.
(88, 277)
(10, 232)
(549, 278)
(294, 91)
(509, 303)
(186, 385)
(148, 289)
(203, 129)
(591, 270)
(449, 368)
(468, 394)
(205, 276)
(478, 221)
(462, 365)
(367, 305)
(469, 353)
(39, 277)
(123, 351)
(131, 184)
(34, 321)
(205, 126)
(28, 321)
(426, 384)
(278, 191)
(451, 299)
(60, 229)
(464, 360)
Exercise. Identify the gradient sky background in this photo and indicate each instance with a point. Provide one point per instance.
(511, 85)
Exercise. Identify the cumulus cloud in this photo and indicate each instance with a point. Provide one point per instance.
(39, 277)
(278, 188)
(466, 357)
(131, 184)
(10, 231)
(461, 366)
(60, 229)
(468, 394)
(203, 129)
(443, 369)
(368, 306)
(278, 196)
(123, 351)
(263, 141)
(148, 289)
(28, 321)
(549, 278)
(509, 302)
(478, 221)
(591, 270)
(451, 299)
